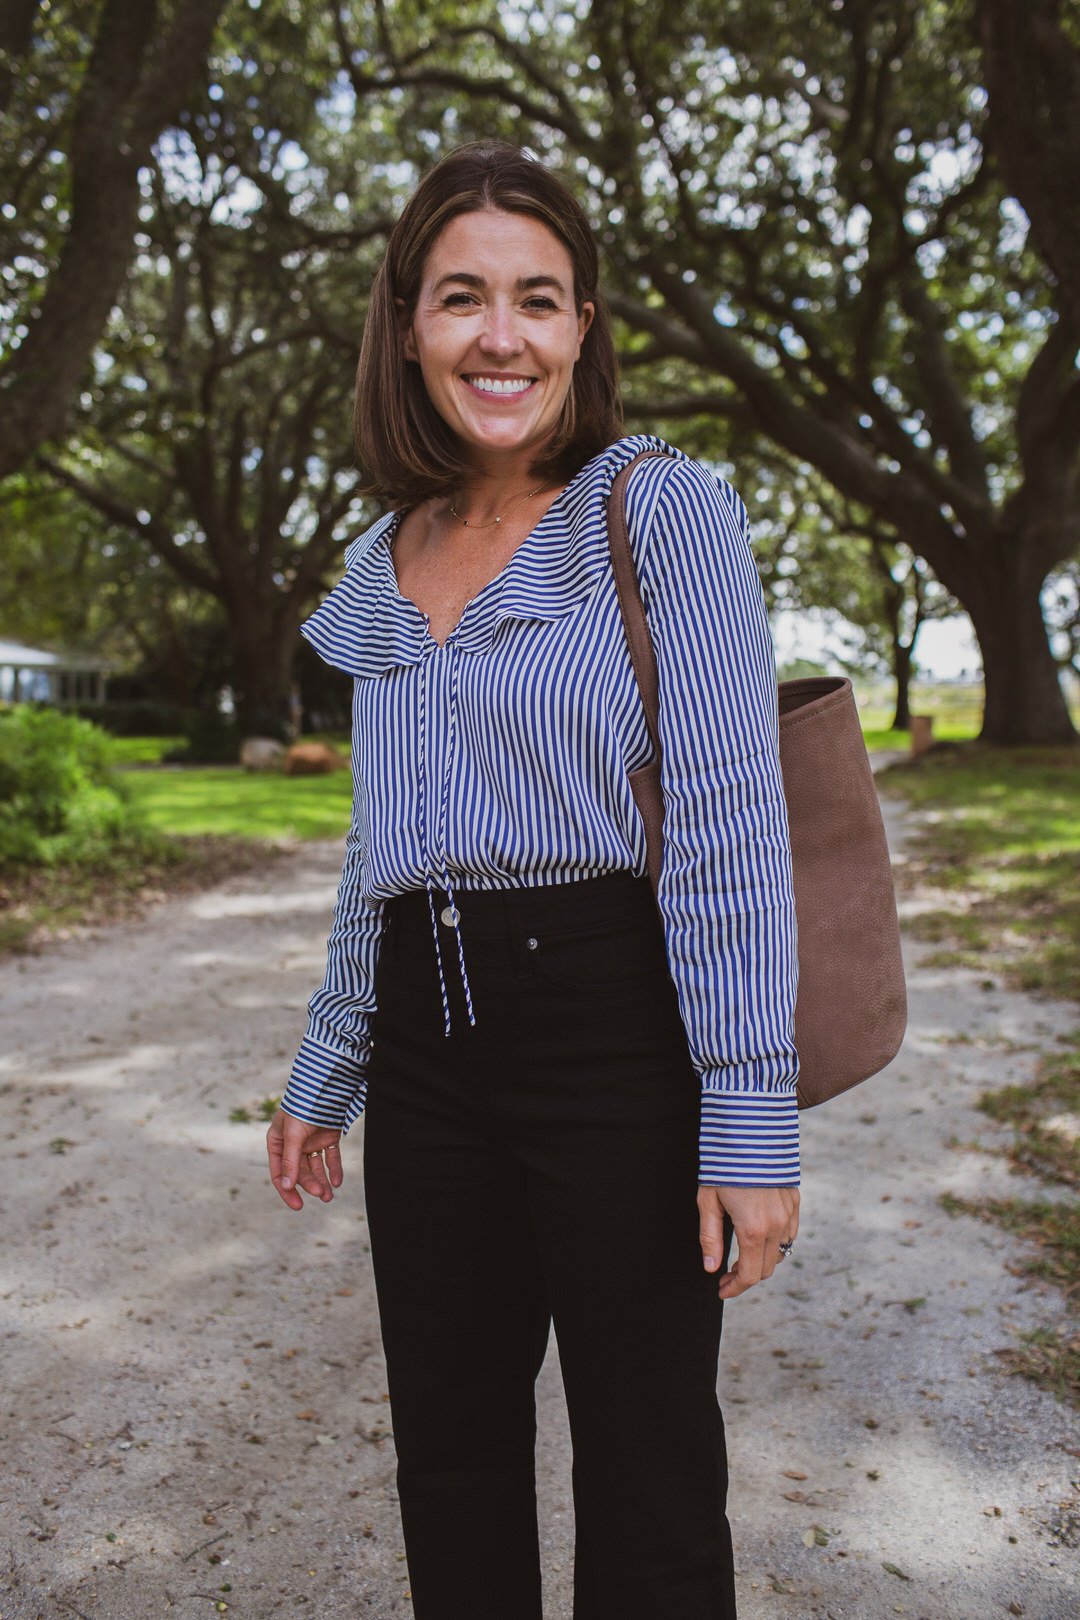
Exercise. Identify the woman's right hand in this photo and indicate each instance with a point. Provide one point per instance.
(304, 1157)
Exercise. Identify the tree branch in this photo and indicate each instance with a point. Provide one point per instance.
(125, 516)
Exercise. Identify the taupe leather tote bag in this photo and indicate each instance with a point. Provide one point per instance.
(851, 1011)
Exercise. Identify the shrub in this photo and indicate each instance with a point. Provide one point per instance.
(59, 798)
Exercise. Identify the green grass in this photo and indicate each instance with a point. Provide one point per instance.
(1052, 1229)
(1001, 846)
(956, 712)
(141, 750)
(1004, 839)
(882, 736)
(229, 801)
(1050, 1233)
(210, 822)
(1045, 1116)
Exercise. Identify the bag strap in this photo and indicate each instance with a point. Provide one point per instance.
(635, 624)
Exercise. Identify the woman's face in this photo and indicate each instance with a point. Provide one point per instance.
(495, 331)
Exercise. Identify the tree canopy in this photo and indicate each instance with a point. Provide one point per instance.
(838, 260)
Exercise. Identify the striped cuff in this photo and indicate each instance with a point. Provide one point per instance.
(749, 1139)
(326, 1087)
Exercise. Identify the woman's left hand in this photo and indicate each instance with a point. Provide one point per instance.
(763, 1218)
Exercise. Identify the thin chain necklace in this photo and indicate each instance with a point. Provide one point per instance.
(502, 514)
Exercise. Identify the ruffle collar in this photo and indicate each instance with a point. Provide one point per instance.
(365, 626)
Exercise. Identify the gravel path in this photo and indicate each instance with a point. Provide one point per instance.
(196, 1396)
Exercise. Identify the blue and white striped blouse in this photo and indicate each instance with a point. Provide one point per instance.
(502, 758)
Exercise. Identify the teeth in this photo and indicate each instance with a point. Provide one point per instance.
(496, 385)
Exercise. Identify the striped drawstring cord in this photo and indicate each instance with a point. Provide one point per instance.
(424, 848)
(442, 838)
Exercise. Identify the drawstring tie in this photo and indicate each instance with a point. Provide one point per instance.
(441, 836)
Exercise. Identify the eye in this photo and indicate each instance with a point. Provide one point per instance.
(539, 301)
(458, 298)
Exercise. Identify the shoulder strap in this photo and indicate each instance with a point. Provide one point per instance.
(635, 624)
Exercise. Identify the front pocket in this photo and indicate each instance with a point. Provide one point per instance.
(612, 955)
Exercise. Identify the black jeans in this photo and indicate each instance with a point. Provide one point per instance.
(539, 1166)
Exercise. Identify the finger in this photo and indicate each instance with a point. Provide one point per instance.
(295, 1134)
(711, 1233)
(313, 1177)
(747, 1269)
(274, 1150)
(334, 1168)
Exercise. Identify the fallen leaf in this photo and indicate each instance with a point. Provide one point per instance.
(794, 1496)
(793, 1473)
(893, 1569)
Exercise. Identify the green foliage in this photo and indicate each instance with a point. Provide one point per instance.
(264, 1110)
(820, 280)
(59, 799)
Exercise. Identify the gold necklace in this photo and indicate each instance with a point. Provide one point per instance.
(502, 514)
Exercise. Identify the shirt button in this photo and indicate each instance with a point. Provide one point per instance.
(532, 943)
(450, 915)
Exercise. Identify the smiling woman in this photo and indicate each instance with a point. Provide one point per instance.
(496, 355)
(493, 284)
(573, 1095)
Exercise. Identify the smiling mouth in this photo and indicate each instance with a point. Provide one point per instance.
(502, 387)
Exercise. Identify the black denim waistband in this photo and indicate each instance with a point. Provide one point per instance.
(489, 913)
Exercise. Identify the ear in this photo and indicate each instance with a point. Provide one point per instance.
(585, 319)
(405, 328)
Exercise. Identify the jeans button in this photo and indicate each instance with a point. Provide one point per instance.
(532, 943)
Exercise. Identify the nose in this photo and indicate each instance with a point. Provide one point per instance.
(501, 336)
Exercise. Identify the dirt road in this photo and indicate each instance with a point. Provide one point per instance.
(196, 1410)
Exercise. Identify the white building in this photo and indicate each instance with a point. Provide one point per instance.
(32, 675)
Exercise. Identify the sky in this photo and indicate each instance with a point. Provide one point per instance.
(946, 648)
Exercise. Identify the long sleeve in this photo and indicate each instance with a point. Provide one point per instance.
(726, 893)
(327, 1085)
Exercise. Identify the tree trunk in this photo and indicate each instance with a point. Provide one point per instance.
(263, 654)
(902, 671)
(1025, 703)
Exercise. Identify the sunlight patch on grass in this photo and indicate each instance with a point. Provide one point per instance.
(227, 800)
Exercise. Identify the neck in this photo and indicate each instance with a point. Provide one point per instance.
(484, 493)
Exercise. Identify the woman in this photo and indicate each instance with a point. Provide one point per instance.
(572, 1093)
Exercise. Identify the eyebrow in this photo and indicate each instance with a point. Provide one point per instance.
(523, 284)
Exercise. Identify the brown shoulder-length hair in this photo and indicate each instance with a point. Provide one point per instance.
(407, 451)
